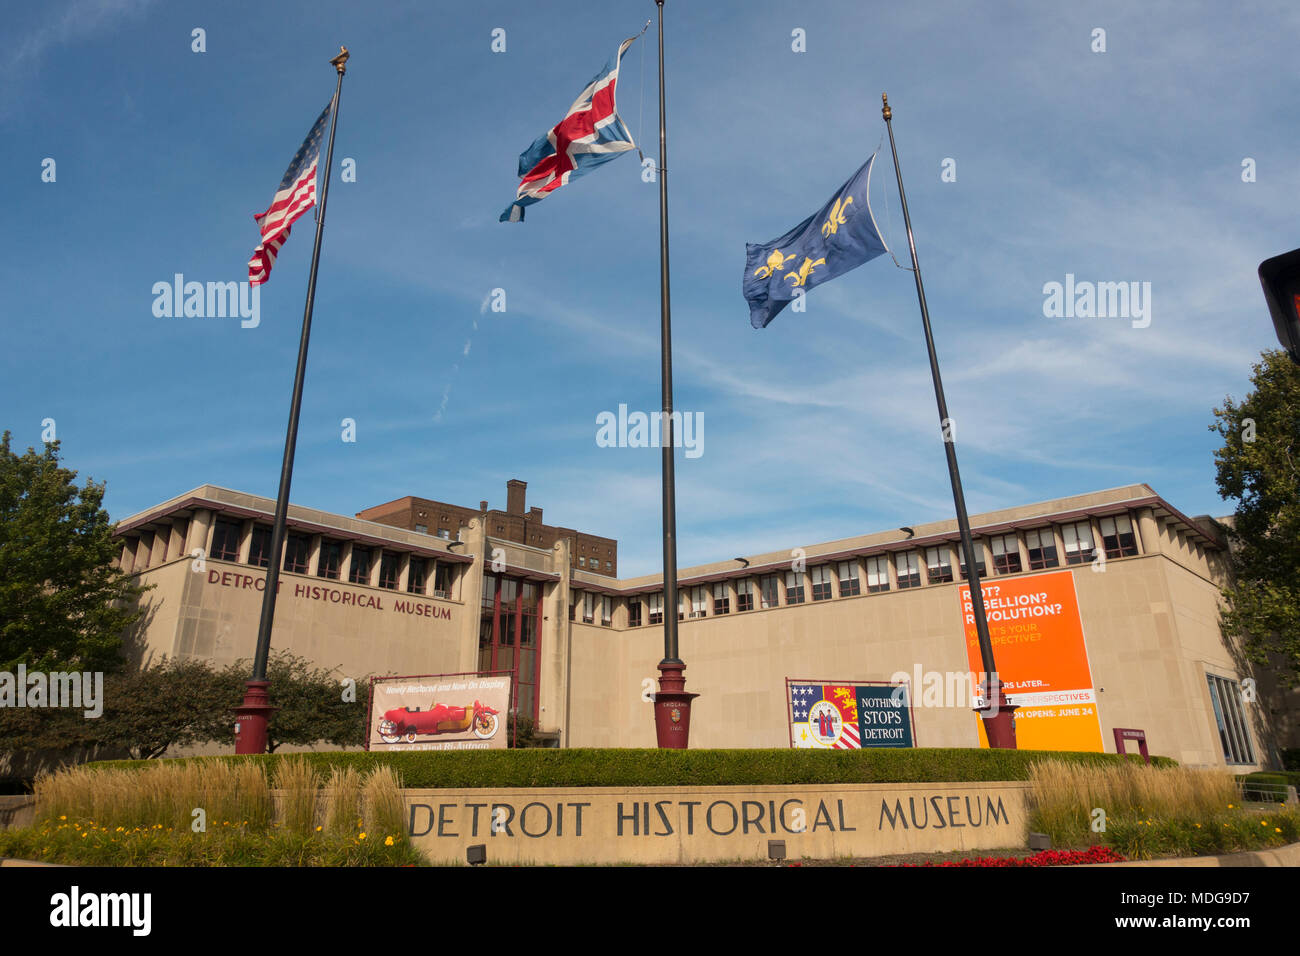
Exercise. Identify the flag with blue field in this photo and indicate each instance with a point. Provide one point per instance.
(840, 236)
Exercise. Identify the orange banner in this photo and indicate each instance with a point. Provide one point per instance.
(1041, 658)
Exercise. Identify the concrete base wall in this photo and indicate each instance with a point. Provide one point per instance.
(578, 825)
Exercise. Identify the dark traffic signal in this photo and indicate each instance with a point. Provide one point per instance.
(1280, 277)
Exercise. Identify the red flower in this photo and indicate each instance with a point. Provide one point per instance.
(1094, 854)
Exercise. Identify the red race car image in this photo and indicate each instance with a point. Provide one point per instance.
(439, 719)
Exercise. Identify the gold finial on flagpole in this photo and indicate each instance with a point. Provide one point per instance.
(340, 62)
(885, 111)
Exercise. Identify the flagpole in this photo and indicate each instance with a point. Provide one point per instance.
(998, 714)
(253, 714)
(672, 703)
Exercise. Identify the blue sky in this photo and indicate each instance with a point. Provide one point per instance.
(1117, 166)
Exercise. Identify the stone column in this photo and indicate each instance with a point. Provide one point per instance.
(471, 589)
(159, 552)
(176, 541)
(246, 541)
(313, 555)
(199, 532)
(555, 635)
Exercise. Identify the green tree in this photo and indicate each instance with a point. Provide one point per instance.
(170, 704)
(62, 604)
(176, 703)
(1259, 466)
(312, 705)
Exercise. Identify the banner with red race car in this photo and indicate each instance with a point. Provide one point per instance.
(438, 712)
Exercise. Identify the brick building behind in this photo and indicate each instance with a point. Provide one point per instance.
(588, 552)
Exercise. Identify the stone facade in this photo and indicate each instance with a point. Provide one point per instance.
(426, 605)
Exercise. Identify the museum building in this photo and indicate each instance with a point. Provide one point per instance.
(380, 594)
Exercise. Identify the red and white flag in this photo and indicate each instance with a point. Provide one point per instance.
(296, 194)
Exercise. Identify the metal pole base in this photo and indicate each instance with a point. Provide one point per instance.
(673, 707)
(999, 722)
(252, 717)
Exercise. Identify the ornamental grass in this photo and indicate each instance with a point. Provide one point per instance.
(1145, 812)
(216, 813)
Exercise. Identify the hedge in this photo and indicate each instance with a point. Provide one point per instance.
(676, 768)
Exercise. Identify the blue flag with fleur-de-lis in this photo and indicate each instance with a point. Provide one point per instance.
(839, 237)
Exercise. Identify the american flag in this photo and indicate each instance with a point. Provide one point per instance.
(590, 134)
(803, 697)
(296, 194)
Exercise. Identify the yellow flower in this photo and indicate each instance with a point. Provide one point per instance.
(361, 836)
(63, 818)
(1230, 806)
(1263, 823)
(1198, 826)
(389, 840)
(1277, 829)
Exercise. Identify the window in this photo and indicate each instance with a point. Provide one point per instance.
(331, 559)
(979, 559)
(745, 595)
(418, 574)
(444, 533)
(1079, 548)
(390, 570)
(442, 578)
(1117, 537)
(721, 599)
(573, 605)
(259, 551)
(606, 611)
(768, 596)
(699, 601)
(422, 529)
(1041, 545)
(938, 564)
(1006, 554)
(529, 600)
(908, 568)
(297, 553)
(609, 565)
(582, 562)
(360, 573)
(589, 607)
(794, 587)
(821, 583)
(633, 612)
(850, 584)
(1234, 735)
(509, 635)
(656, 608)
(877, 575)
(225, 540)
